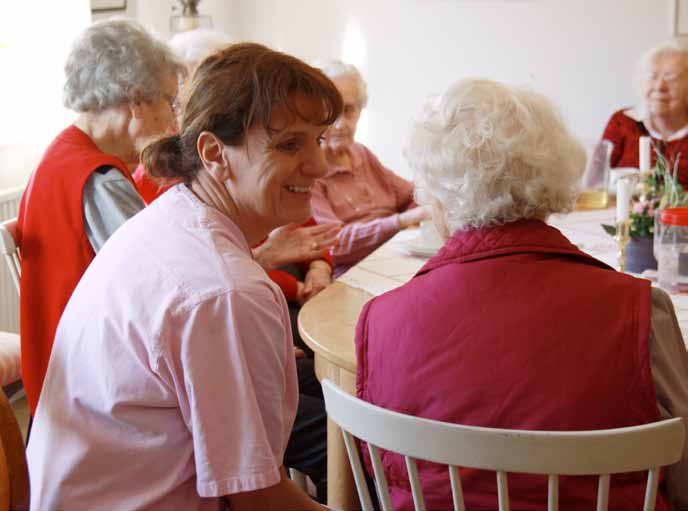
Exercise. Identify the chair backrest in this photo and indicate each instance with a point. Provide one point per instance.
(554, 453)
(10, 249)
(14, 474)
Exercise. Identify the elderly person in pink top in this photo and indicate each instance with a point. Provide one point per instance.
(172, 382)
(371, 201)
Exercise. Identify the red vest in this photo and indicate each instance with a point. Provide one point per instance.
(512, 327)
(147, 187)
(54, 247)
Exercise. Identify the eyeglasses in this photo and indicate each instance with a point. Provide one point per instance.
(670, 78)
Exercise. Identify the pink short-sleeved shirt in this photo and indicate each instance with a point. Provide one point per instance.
(172, 379)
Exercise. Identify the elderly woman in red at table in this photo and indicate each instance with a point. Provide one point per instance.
(663, 113)
(122, 82)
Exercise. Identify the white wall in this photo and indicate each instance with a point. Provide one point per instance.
(155, 14)
(33, 48)
(581, 53)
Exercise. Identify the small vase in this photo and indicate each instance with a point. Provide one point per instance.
(639, 255)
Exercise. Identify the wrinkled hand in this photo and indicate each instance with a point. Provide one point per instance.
(318, 278)
(294, 244)
(414, 216)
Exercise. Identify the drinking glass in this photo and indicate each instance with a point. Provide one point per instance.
(595, 182)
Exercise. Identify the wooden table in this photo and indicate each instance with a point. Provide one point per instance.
(327, 322)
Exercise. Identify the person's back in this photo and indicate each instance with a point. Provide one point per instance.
(522, 331)
(118, 432)
(518, 329)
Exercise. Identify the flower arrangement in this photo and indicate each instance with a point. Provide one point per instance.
(660, 189)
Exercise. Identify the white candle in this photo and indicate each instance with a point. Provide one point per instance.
(644, 154)
(624, 188)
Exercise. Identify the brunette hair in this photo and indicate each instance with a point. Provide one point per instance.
(232, 90)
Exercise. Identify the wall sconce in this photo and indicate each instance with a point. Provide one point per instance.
(189, 19)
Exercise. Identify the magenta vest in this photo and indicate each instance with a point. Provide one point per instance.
(511, 327)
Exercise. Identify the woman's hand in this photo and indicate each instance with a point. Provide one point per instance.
(319, 276)
(414, 216)
(293, 244)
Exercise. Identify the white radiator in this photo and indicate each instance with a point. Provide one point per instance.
(9, 301)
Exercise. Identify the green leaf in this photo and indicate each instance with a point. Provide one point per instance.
(609, 229)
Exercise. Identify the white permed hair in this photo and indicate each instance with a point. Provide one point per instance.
(337, 69)
(644, 67)
(491, 154)
(194, 45)
(113, 62)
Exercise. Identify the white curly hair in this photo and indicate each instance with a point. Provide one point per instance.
(193, 46)
(113, 62)
(490, 154)
(643, 69)
(337, 69)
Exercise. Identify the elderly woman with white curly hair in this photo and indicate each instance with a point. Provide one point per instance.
(371, 202)
(662, 82)
(123, 84)
(519, 329)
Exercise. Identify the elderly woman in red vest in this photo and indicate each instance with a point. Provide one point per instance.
(520, 329)
(123, 85)
(663, 114)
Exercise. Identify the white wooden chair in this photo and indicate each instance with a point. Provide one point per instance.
(9, 248)
(602, 453)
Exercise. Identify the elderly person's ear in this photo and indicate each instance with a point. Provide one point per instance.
(211, 151)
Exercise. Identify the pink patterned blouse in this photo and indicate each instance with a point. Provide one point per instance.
(366, 199)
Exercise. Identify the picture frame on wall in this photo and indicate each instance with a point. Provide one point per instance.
(108, 5)
(680, 18)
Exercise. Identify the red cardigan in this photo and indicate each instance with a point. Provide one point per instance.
(518, 329)
(150, 191)
(625, 132)
(54, 247)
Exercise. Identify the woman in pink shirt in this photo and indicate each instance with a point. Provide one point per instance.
(371, 201)
(172, 381)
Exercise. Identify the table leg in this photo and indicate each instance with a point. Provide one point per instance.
(341, 489)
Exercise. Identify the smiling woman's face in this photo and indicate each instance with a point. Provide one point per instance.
(666, 88)
(274, 170)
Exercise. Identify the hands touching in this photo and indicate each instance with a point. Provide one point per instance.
(319, 276)
(414, 216)
(294, 244)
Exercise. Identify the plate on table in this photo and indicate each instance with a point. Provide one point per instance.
(419, 247)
